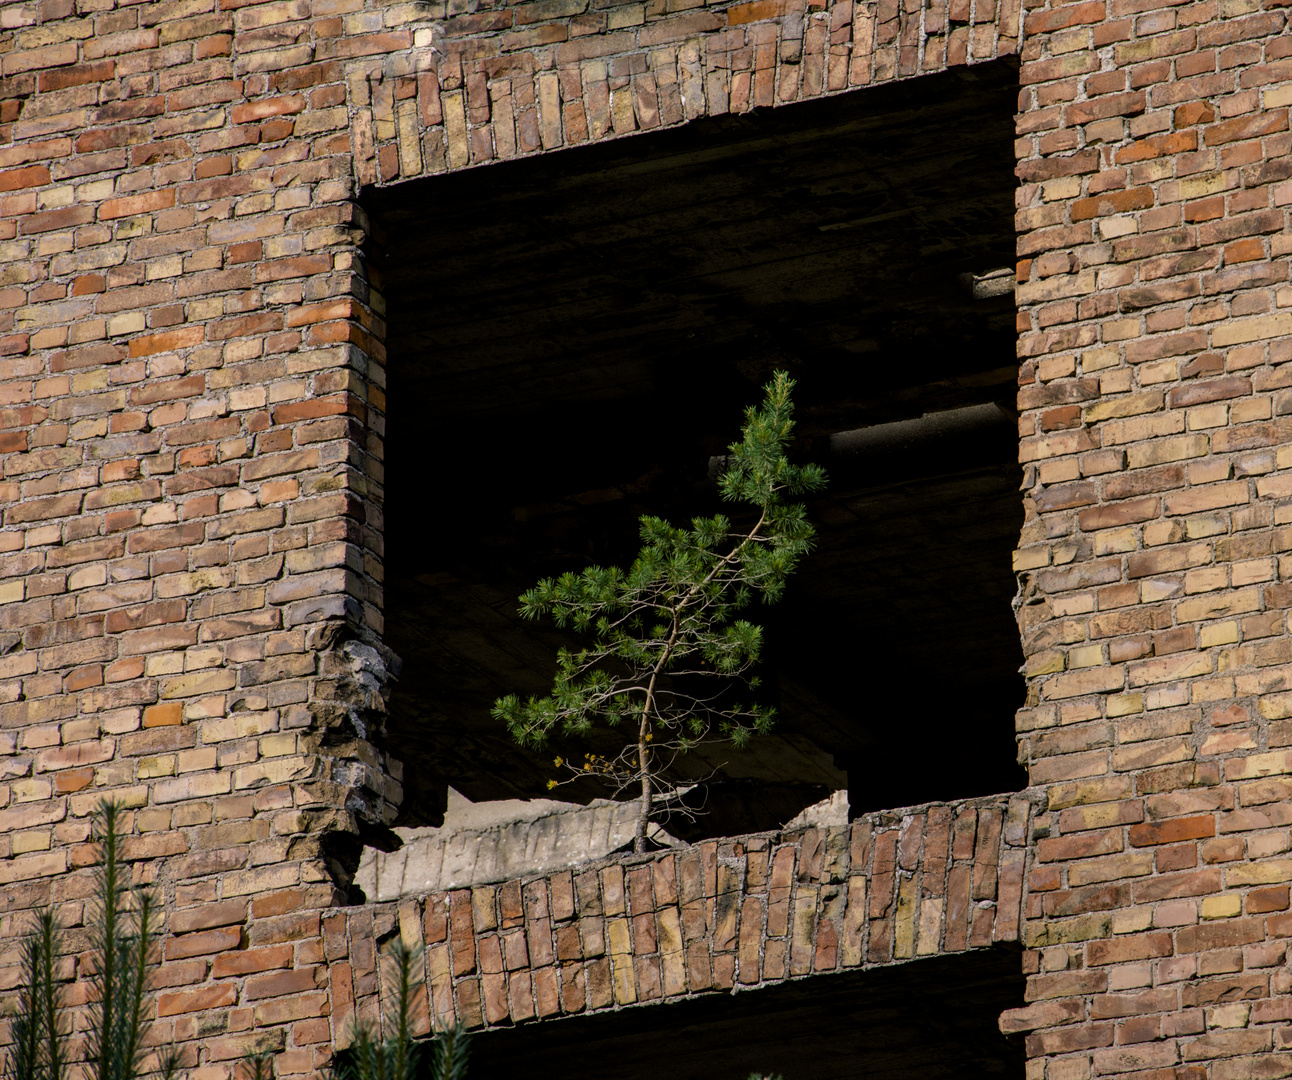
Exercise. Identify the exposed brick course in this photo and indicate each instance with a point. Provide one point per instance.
(748, 911)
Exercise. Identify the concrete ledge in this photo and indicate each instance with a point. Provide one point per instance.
(489, 842)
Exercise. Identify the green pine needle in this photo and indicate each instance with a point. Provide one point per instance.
(669, 621)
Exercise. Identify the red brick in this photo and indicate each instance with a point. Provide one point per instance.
(1112, 203)
(202, 943)
(131, 205)
(187, 1001)
(1171, 831)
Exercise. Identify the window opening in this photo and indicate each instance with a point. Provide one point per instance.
(571, 339)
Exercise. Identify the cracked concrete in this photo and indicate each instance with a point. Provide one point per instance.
(486, 842)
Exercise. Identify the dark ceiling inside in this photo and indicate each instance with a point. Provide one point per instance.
(572, 336)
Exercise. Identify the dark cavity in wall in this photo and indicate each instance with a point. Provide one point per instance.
(932, 1019)
(573, 337)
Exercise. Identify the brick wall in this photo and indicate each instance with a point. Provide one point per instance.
(1154, 334)
(750, 911)
(192, 414)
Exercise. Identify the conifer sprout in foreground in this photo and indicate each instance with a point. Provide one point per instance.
(122, 925)
(398, 1056)
(667, 652)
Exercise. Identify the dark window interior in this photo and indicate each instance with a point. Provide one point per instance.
(572, 337)
(933, 1020)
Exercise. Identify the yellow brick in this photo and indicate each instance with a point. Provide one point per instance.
(1113, 541)
(1045, 663)
(1134, 921)
(1220, 689)
(1059, 472)
(1026, 559)
(1236, 602)
(49, 864)
(1201, 526)
(277, 771)
(204, 657)
(56, 198)
(1131, 405)
(1113, 227)
(1225, 633)
(1067, 187)
(1235, 333)
(1266, 872)
(1086, 656)
(87, 381)
(1056, 367)
(240, 726)
(1120, 329)
(89, 429)
(211, 577)
(1064, 553)
(171, 663)
(24, 842)
(1207, 184)
(1158, 372)
(1251, 571)
(1225, 906)
(87, 330)
(153, 820)
(95, 191)
(1163, 532)
(1206, 579)
(1208, 416)
(278, 745)
(1115, 382)
(130, 322)
(52, 337)
(1234, 1014)
(1093, 360)
(1125, 704)
(1162, 451)
(1275, 706)
(1151, 591)
(150, 767)
(203, 757)
(907, 914)
(1244, 412)
(1078, 683)
(619, 940)
(206, 682)
(1210, 470)
(930, 925)
(1169, 668)
(1275, 763)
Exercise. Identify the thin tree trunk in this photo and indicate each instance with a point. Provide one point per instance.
(643, 763)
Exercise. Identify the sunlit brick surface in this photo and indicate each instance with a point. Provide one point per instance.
(191, 422)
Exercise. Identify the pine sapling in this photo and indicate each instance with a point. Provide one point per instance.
(398, 1056)
(668, 656)
(122, 925)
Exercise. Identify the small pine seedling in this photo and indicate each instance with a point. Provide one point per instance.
(667, 649)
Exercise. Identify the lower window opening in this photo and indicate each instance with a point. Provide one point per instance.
(932, 1019)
